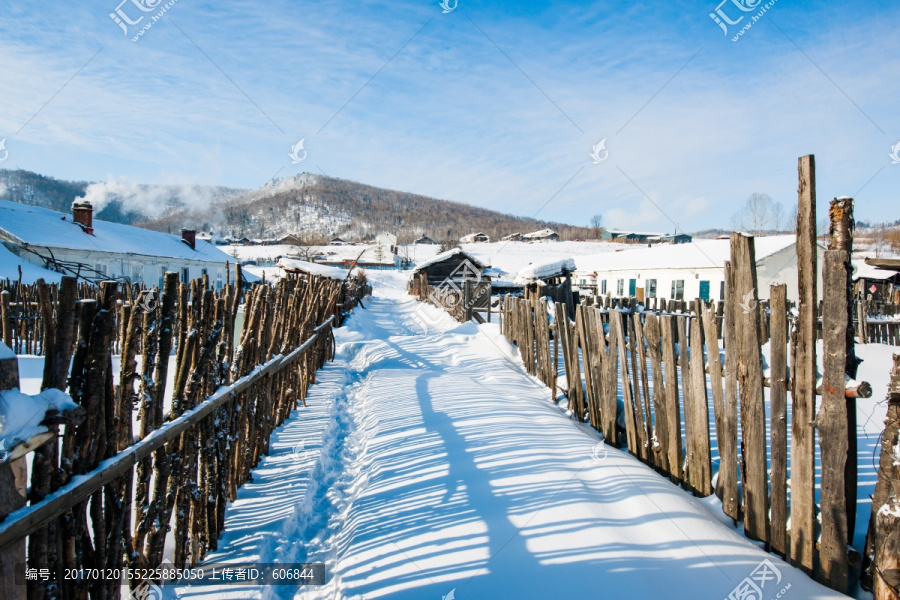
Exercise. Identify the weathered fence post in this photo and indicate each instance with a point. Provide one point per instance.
(746, 360)
(727, 438)
(12, 490)
(841, 238)
(803, 376)
(832, 424)
(778, 416)
(881, 564)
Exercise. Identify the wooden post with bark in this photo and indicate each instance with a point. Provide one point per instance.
(803, 376)
(841, 238)
(831, 423)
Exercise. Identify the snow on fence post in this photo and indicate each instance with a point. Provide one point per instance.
(831, 423)
(803, 377)
(881, 566)
(778, 417)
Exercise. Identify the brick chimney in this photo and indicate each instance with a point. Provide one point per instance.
(189, 237)
(83, 214)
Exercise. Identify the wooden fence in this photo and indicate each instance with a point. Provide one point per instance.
(463, 300)
(105, 496)
(669, 365)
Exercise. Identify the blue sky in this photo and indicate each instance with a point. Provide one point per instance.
(496, 104)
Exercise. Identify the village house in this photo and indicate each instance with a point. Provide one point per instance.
(94, 250)
(474, 238)
(426, 240)
(513, 237)
(644, 237)
(544, 235)
(687, 271)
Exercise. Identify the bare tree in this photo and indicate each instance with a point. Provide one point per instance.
(759, 214)
(777, 216)
(597, 222)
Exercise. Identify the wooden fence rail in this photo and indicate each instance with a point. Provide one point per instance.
(103, 497)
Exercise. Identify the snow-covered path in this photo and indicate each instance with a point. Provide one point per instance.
(429, 462)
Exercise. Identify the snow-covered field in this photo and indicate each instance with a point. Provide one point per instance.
(430, 464)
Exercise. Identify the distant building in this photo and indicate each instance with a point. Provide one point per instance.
(386, 239)
(426, 240)
(544, 235)
(474, 238)
(94, 250)
(377, 258)
(643, 237)
(878, 278)
(618, 235)
(338, 242)
(513, 237)
(687, 271)
(678, 238)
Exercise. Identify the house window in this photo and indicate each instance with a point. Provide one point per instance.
(632, 287)
(603, 287)
(620, 287)
(137, 273)
(219, 279)
(162, 275)
(204, 272)
(721, 290)
(100, 268)
(651, 288)
(678, 289)
(185, 274)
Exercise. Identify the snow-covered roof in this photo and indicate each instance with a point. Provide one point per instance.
(862, 269)
(9, 269)
(540, 234)
(444, 256)
(41, 227)
(545, 270)
(291, 264)
(629, 231)
(700, 254)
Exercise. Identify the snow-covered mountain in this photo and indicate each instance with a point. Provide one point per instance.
(315, 207)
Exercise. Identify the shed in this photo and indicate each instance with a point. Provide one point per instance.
(426, 240)
(451, 268)
(542, 235)
(475, 237)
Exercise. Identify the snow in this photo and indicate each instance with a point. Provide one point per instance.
(51, 229)
(21, 414)
(431, 462)
(10, 265)
(545, 269)
(289, 264)
(698, 254)
(444, 256)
